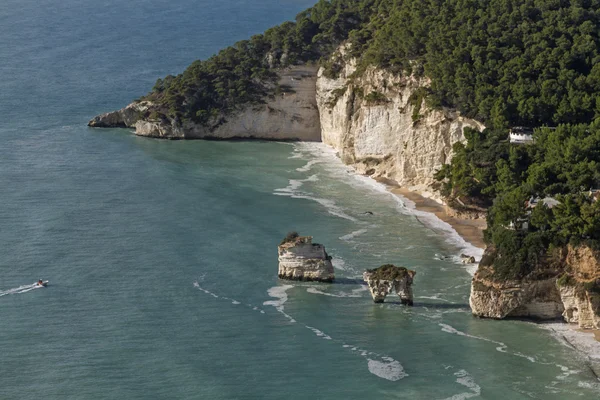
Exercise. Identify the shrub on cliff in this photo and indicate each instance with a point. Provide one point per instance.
(388, 272)
(290, 237)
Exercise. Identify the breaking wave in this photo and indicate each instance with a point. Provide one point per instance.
(327, 157)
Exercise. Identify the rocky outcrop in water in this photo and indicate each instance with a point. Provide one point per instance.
(124, 118)
(467, 259)
(302, 260)
(387, 278)
(565, 285)
(291, 114)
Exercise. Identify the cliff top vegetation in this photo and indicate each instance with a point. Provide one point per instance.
(389, 272)
(503, 62)
(563, 163)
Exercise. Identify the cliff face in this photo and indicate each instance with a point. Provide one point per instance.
(302, 260)
(369, 120)
(579, 287)
(290, 115)
(565, 285)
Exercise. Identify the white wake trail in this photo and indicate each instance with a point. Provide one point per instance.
(20, 289)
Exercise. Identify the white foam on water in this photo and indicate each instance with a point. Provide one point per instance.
(293, 185)
(589, 385)
(315, 290)
(318, 332)
(339, 263)
(312, 178)
(279, 292)
(362, 288)
(501, 346)
(387, 368)
(452, 237)
(328, 157)
(21, 289)
(390, 370)
(329, 205)
(216, 296)
(308, 166)
(436, 297)
(583, 342)
(465, 379)
(197, 285)
(352, 235)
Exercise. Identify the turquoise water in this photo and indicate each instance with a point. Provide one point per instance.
(162, 255)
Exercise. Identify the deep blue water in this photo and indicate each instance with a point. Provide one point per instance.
(161, 255)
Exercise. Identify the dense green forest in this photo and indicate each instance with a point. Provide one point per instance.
(532, 63)
(562, 164)
(503, 62)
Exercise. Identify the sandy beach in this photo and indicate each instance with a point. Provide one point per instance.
(470, 229)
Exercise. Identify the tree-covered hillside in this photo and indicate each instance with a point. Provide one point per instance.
(504, 62)
(562, 165)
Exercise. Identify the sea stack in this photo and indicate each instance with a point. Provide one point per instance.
(388, 277)
(302, 260)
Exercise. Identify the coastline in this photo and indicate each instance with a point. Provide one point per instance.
(471, 230)
(585, 341)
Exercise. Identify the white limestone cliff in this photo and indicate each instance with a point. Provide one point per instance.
(369, 120)
(566, 285)
(290, 115)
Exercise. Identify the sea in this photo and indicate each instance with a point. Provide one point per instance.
(162, 255)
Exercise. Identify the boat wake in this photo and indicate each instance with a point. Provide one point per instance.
(20, 289)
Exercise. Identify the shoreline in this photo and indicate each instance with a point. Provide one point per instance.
(471, 230)
(585, 341)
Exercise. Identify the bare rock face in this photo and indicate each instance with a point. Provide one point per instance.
(302, 260)
(536, 299)
(124, 118)
(379, 123)
(467, 259)
(582, 307)
(579, 287)
(291, 114)
(383, 280)
(535, 296)
(566, 285)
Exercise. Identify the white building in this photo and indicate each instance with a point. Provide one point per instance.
(521, 135)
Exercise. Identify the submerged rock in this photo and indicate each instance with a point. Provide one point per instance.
(383, 280)
(467, 259)
(302, 260)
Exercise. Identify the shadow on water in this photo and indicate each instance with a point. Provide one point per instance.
(439, 306)
(348, 281)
